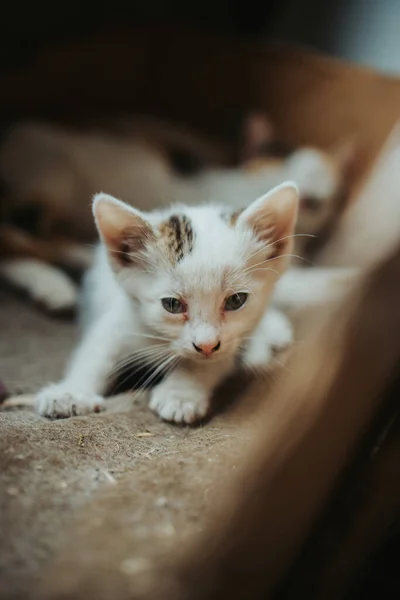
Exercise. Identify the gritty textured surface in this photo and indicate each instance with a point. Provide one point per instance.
(95, 499)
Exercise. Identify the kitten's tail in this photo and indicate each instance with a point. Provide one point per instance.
(302, 287)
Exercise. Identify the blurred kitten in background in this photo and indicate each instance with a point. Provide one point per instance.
(322, 177)
(49, 174)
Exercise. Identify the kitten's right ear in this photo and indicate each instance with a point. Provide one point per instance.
(273, 217)
(122, 228)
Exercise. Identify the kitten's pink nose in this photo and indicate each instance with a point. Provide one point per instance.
(207, 348)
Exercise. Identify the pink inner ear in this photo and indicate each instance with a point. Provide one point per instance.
(126, 246)
(264, 226)
(123, 230)
(273, 218)
(112, 218)
(274, 234)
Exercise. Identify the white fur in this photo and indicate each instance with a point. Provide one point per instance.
(44, 283)
(301, 287)
(125, 318)
(275, 328)
(317, 177)
(313, 173)
(309, 168)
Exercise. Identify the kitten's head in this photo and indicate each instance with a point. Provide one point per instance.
(201, 277)
(321, 176)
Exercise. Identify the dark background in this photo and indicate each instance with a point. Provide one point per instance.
(366, 31)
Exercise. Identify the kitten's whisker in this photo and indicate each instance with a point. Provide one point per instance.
(263, 269)
(291, 256)
(170, 367)
(287, 237)
(143, 358)
(271, 259)
(251, 267)
(238, 276)
(145, 381)
(293, 235)
(276, 258)
(144, 350)
(140, 257)
(122, 364)
(151, 337)
(138, 354)
(157, 358)
(148, 352)
(166, 368)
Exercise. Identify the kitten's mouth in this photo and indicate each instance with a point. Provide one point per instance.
(214, 357)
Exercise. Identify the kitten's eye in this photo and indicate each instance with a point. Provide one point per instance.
(172, 305)
(235, 301)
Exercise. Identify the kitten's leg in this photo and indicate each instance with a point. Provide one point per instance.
(42, 282)
(80, 392)
(184, 396)
(273, 335)
(302, 287)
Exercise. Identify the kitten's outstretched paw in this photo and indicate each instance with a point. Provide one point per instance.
(57, 402)
(178, 405)
(56, 294)
(274, 336)
(280, 334)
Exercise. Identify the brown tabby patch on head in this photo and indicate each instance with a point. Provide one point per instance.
(178, 236)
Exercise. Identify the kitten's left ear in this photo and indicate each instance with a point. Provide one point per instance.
(123, 229)
(273, 216)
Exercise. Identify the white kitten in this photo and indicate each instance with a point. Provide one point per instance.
(186, 289)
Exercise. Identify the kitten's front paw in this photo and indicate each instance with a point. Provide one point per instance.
(179, 405)
(57, 402)
(273, 337)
